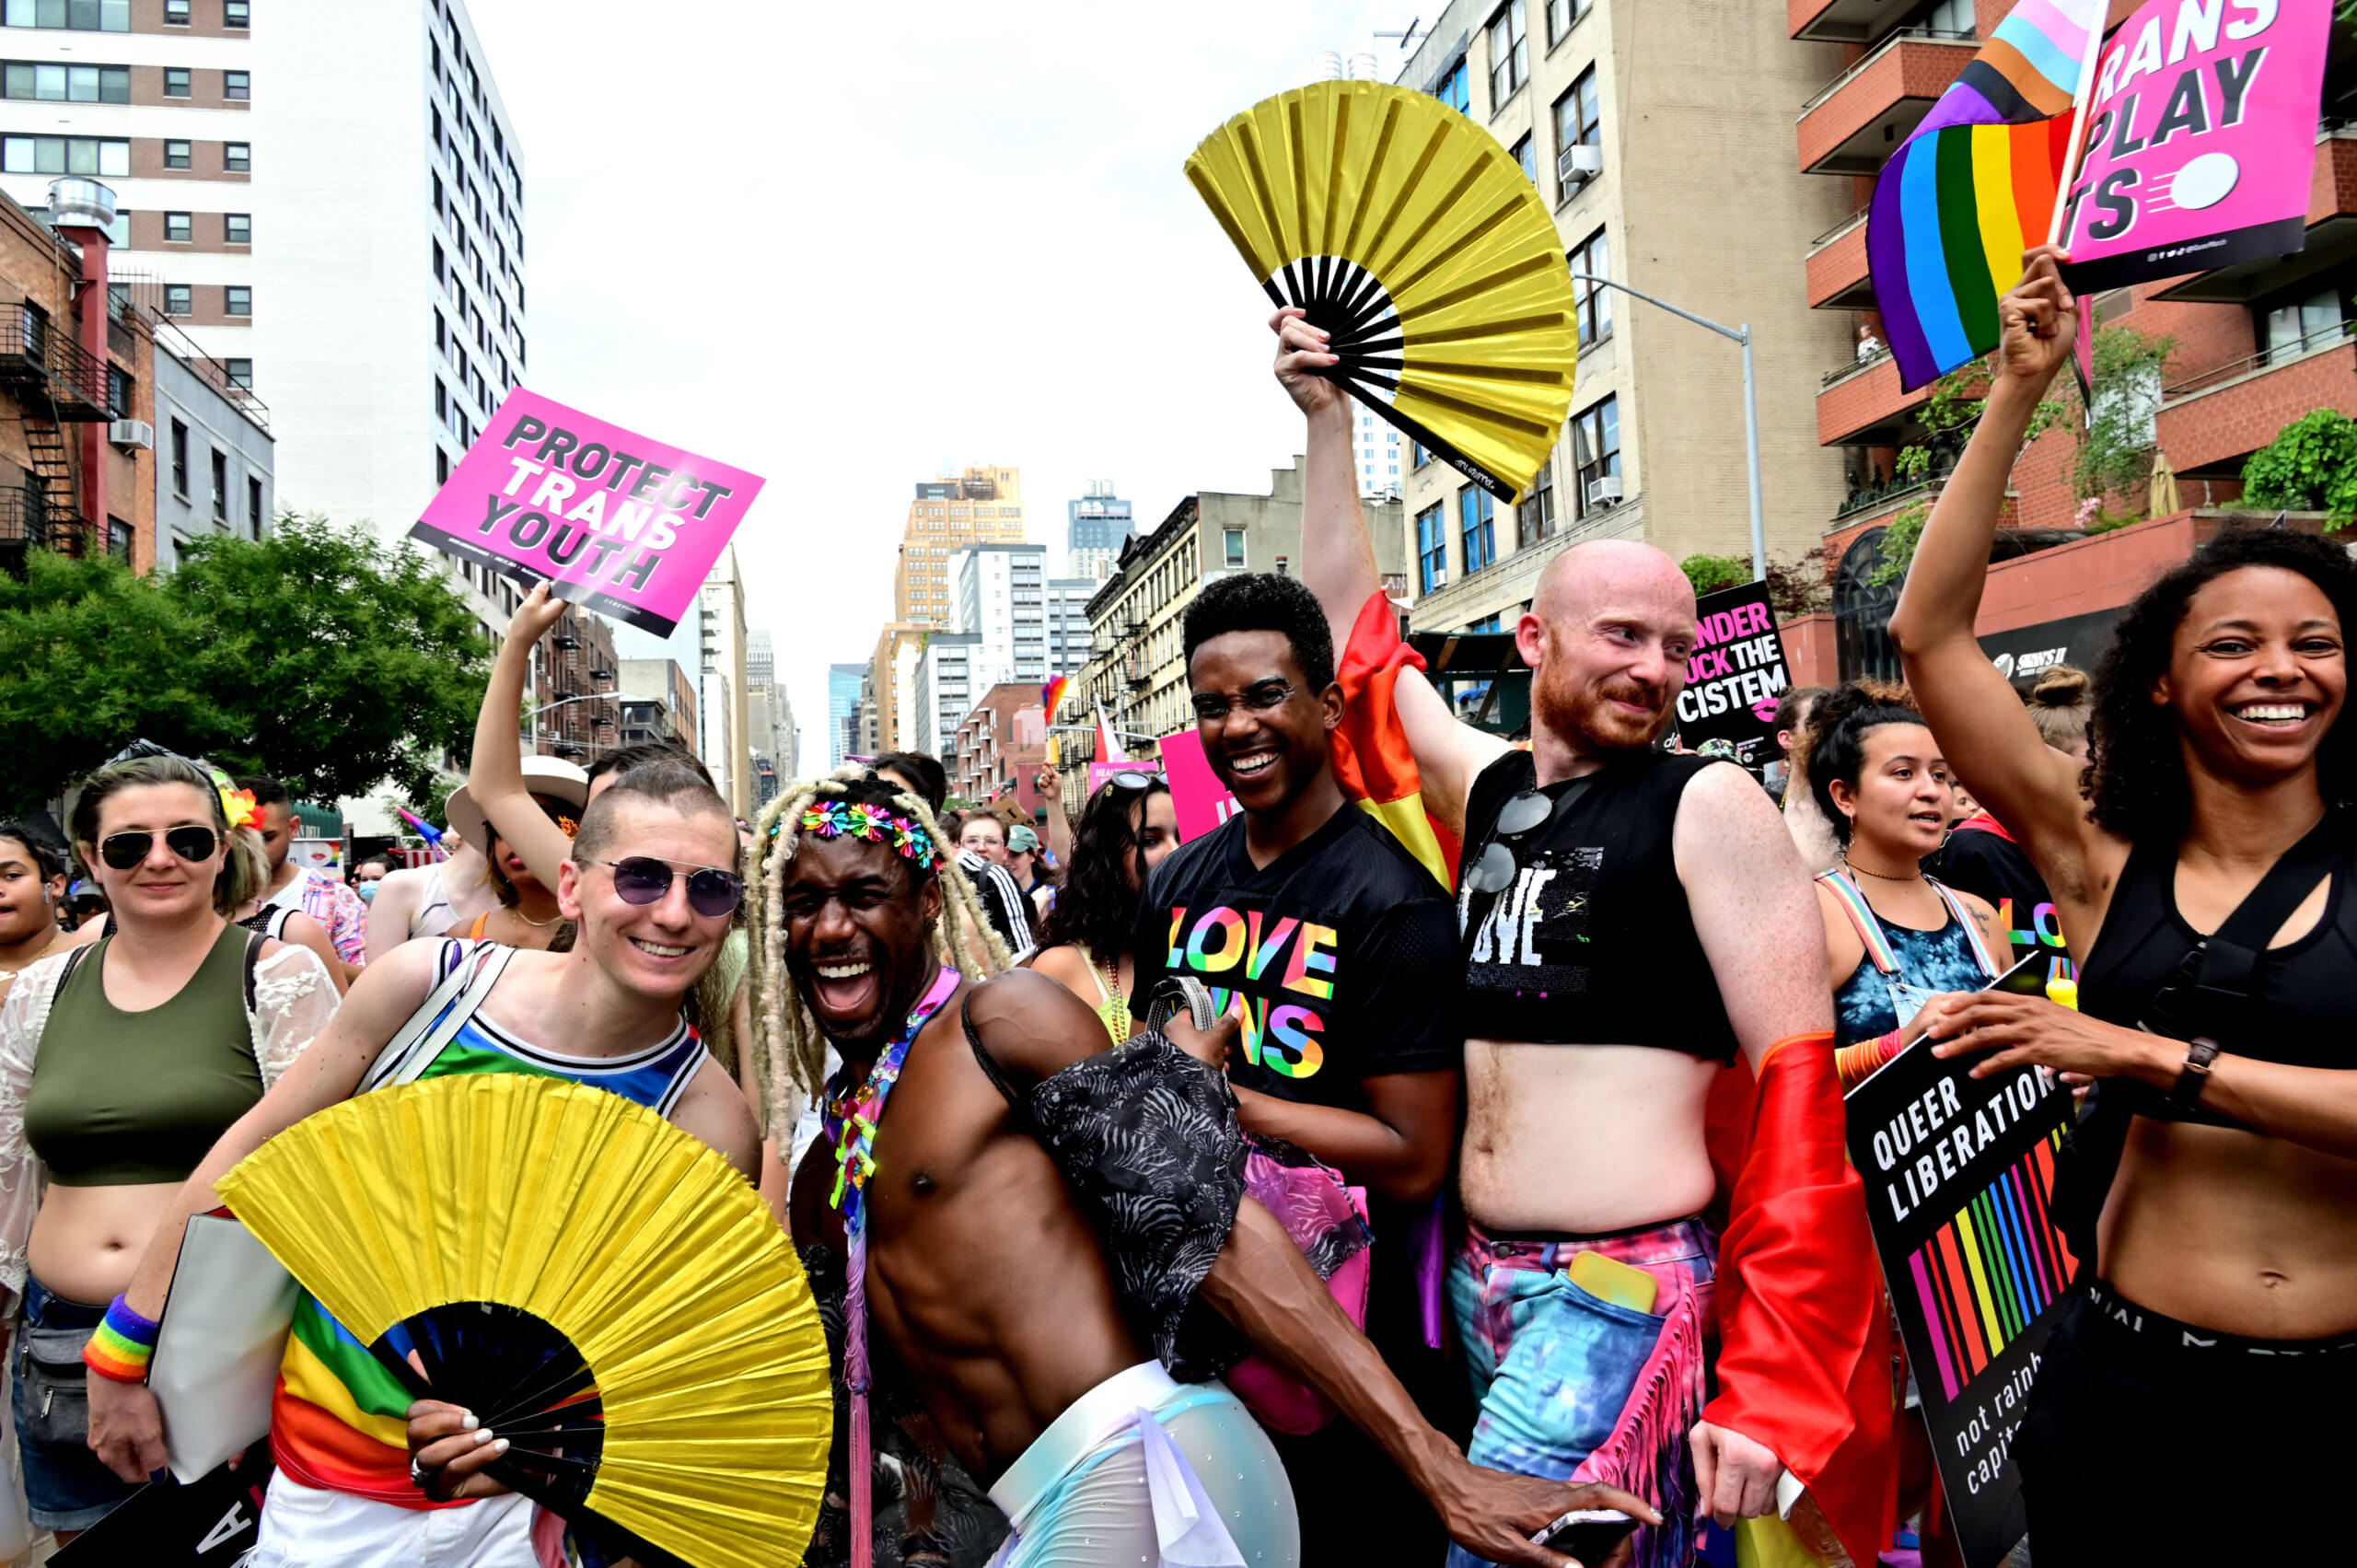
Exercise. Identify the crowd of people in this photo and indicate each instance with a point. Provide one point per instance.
(1344, 1180)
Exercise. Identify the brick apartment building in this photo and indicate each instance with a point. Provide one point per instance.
(70, 365)
(999, 749)
(577, 711)
(2257, 345)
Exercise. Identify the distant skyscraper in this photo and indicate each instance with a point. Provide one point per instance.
(1096, 524)
(843, 711)
(978, 506)
(1377, 446)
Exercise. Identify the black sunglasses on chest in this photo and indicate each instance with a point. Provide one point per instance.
(1532, 809)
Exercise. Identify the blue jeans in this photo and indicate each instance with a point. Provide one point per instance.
(66, 1487)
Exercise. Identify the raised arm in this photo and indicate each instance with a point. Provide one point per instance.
(1338, 566)
(124, 1427)
(1987, 734)
(496, 773)
(1051, 794)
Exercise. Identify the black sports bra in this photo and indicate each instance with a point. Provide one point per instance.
(1592, 942)
(2302, 1007)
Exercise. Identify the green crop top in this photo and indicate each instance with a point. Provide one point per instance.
(123, 1099)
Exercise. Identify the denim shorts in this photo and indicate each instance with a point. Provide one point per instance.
(1552, 1365)
(66, 1486)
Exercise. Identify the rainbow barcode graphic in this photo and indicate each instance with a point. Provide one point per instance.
(1985, 1277)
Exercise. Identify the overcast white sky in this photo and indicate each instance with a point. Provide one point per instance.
(840, 256)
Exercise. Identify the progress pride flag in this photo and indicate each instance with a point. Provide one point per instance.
(2200, 140)
(615, 522)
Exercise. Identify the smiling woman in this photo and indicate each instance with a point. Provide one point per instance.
(119, 1063)
(2205, 873)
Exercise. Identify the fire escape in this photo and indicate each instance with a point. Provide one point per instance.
(54, 382)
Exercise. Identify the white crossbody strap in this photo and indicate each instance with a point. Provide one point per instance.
(443, 1012)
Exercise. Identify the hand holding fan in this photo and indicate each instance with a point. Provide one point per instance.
(598, 1287)
(1416, 241)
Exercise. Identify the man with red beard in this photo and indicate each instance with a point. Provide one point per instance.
(1631, 922)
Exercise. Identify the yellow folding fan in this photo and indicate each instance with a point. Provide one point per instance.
(598, 1287)
(1412, 238)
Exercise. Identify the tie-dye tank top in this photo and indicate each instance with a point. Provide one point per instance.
(337, 1419)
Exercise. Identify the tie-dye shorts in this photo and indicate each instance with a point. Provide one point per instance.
(1552, 1365)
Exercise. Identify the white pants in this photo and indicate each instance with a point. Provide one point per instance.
(305, 1527)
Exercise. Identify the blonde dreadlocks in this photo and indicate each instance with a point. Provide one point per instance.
(789, 1051)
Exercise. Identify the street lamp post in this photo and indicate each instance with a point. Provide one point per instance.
(1742, 335)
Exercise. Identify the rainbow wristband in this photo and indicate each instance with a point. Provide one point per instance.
(121, 1345)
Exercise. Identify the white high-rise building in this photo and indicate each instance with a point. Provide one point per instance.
(1377, 451)
(329, 195)
(997, 593)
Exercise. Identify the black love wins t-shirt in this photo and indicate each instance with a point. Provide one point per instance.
(1343, 947)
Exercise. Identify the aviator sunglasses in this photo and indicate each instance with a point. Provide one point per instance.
(643, 879)
(1517, 819)
(123, 851)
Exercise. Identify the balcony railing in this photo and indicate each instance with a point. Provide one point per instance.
(38, 356)
(2266, 358)
(1874, 56)
(1837, 231)
(26, 518)
(1856, 366)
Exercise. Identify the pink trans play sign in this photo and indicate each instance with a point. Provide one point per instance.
(611, 520)
(2200, 140)
(1197, 798)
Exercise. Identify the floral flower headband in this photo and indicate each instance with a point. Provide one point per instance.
(834, 819)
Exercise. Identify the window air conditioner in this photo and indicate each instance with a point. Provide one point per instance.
(1604, 492)
(1576, 165)
(132, 433)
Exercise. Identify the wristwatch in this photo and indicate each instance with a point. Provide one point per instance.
(2198, 1056)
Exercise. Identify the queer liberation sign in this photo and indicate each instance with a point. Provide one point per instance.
(615, 522)
(1959, 1174)
(1735, 678)
(2200, 140)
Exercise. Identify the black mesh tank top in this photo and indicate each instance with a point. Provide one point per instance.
(1592, 944)
(2302, 1006)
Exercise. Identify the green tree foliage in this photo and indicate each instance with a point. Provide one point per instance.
(321, 654)
(1795, 588)
(1711, 572)
(2115, 455)
(2310, 466)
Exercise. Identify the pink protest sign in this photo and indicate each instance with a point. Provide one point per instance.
(610, 519)
(2199, 141)
(1199, 800)
(1099, 771)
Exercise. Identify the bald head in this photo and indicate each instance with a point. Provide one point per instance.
(1610, 571)
(1606, 639)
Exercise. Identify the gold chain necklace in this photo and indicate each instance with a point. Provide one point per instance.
(1853, 868)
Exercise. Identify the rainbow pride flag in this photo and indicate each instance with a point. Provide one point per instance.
(1974, 187)
(1052, 696)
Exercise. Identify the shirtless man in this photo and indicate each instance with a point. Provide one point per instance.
(1631, 919)
(987, 1278)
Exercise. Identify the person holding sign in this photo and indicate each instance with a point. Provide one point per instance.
(1636, 934)
(2204, 873)
(1894, 938)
